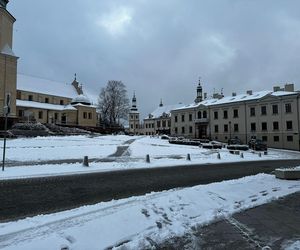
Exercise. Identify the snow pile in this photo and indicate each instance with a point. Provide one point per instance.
(29, 126)
(139, 222)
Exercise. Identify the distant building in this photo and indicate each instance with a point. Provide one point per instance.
(36, 99)
(134, 117)
(159, 121)
(272, 116)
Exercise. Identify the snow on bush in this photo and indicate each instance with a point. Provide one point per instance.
(30, 126)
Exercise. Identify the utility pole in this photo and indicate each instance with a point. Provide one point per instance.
(6, 112)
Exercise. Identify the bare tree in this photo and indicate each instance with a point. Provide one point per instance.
(113, 103)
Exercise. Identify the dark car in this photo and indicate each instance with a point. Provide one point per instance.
(235, 141)
(257, 144)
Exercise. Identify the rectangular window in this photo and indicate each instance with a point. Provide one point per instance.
(225, 114)
(190, 117)
(289, 125)
(56, 116)
(236, 127)
(288, 108)
(182, 118)
(225, 127)
(21, 113)
(137, 117)
(216, 128)
(46, 100)
(158, 124)
(131, 126)
(264, 126)
(40, 114)
(276, 138)
(263, 110)
(275, 125)
(216, 115)
(253, 126)
(152, 124)
(84, 115)
(235, 113)
(176, 130)
(191, 129)
(90, 115)
(30, 98)
(163, 124)
(252, 111)
(275, 109)
(289, 138)
(169, 123)
(182, 130)
(61, 102)
(264, 138)
(136, 126)
(176, 118)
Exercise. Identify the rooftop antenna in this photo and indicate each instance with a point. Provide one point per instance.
(222, 91)
(75, 76)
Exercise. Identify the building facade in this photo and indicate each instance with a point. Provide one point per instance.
(272, 116)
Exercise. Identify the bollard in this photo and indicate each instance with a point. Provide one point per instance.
(218, 156)
(242, 155)
(85, 161)
(148, 158)
(188, 157)
(266, 152)
(259, 154)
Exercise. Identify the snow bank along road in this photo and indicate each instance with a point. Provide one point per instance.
(26, 197)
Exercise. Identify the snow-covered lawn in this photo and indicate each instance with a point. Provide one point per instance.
(161, 152)
(138, 221)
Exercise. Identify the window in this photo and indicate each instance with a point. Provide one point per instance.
(176, 118)
(216, 128)
(158, 124)
(136, 126)
(289, 125)
(137, 117)
(225, 127)
(264, 126)
(289, 138)
(276, 138)
(46, 100)
(19, 95)
(61, 102)
(152, 125)
(90, 115)
(263, 110)
(182, 130)
(163, 124)
(131, 126)
(21, 113)
(288, 108)
(253, 126)
(84, 115)
(191, 130)
(199, 115)
(216, 115)
(40, 114)
(275, 109)
(146, 125)
(275, 125)
(131, 117)
(182, 118)
(252, 111)
(169, 123)
(235, 113)
(236, 127)
(56, 116)
(225, 114)
(30, 98)
(190, 117)
(204, 114)
(176, 130)
(264, 138)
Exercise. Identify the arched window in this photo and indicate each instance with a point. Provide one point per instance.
(204, 114)
(199, 115)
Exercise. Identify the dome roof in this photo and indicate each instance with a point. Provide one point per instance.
(82, 99)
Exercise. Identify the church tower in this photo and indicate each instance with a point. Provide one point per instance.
(134, 117)
(199, 97)
(8, 62)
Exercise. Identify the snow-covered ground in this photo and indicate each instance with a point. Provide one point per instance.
(137, 222)
(161, 152)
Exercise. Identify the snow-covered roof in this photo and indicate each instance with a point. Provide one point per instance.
(44, 86)
(237, 98)
(166, 109)
(81, 99)
(40, 105)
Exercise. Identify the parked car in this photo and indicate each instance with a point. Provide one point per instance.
(235, 141)
(165, 137)
(257, 144)
(212, 145)
(236, 144)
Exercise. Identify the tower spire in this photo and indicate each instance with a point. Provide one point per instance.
(199, 92)
(161, 103)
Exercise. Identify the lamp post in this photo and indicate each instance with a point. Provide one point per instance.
(6, 112)
(229, 130)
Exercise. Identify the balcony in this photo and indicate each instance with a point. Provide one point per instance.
(202, 120)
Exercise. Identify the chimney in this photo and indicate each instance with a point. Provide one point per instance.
(289, 87)
(249, 92)
(276, 88)
(233, 93)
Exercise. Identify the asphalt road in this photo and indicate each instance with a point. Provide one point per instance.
(27, 197)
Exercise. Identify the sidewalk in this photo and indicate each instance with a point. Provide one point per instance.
(275, 225)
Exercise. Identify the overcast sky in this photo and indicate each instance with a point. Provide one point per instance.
(159, 48)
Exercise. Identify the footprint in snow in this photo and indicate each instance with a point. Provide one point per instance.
(275, 189)
(145, 212)
(254, 199)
